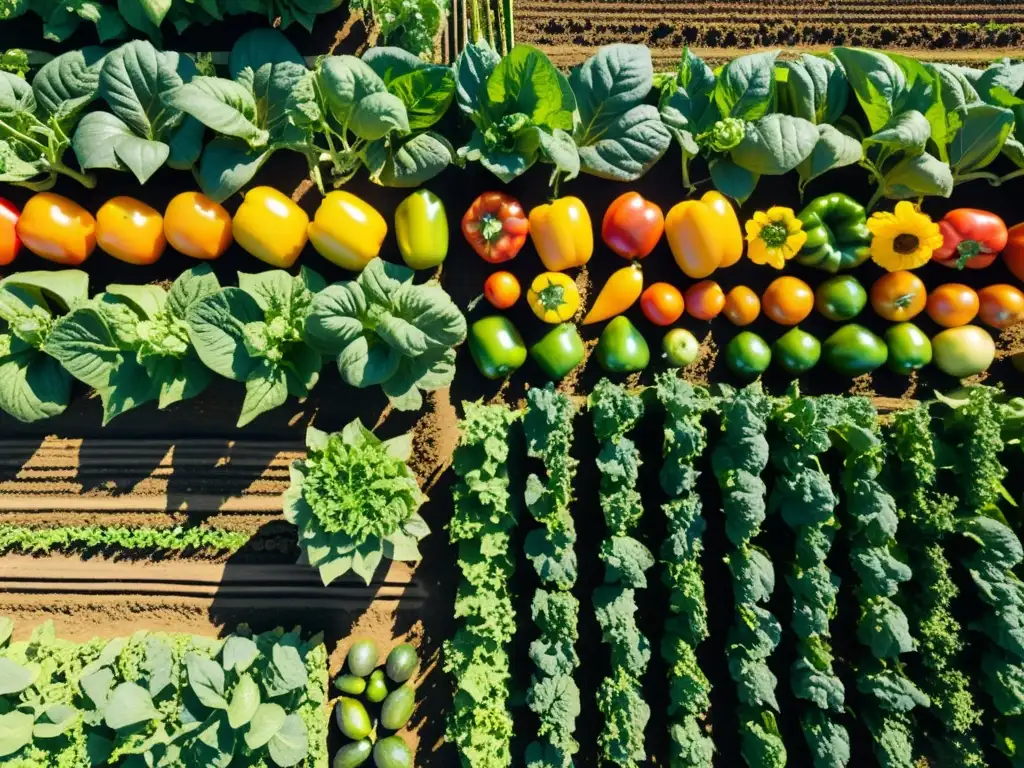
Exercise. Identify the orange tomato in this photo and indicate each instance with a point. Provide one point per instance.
(952, 305)
(662, 303)
(502, 289)
(898, 296)
(1000, 306)
(788, 300)
(704, 300)
(742, 305)
(57, 229)
(197, 226)
(1013, 253)
(130, 230)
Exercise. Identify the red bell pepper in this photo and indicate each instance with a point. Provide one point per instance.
(970, 238)
(632, 226)
(10, 243)
(496, 226)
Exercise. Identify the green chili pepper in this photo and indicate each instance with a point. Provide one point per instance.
(496, 346)
(837, 233)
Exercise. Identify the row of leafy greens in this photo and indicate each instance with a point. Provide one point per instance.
(917, 128)
(163, 699)
(134, 344)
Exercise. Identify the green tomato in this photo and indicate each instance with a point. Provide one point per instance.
(963, 351)
(796, 351)
(680, 347)
(622, 348)
(496, 346)
(853, 350)
(840, 298)
(909, 348)
(748, 355)
(559, 351)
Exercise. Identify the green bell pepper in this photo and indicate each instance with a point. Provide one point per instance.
(837, 233)
(421, 229)
(559, 351)
(853, 350)
(622, 348)
(496, 346)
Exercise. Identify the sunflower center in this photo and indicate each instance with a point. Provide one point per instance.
(905, 243)
(774, 234)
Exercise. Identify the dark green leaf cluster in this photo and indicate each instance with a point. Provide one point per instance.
(975, 428)
(483, 516)
(163, 699)
(738, 460)
(23, 539)
(553, 696)
(927, 517)
(616, 411)
(803, 495)
(883, 626)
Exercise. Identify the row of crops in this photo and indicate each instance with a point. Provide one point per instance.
(914, 502)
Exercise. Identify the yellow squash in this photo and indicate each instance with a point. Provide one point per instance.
(347, 231)
(619, 294)
(562, 233)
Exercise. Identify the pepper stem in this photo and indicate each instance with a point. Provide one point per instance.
(551, 297)
(491, 227)
(967, 250)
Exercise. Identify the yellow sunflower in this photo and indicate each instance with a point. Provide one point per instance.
(774, 236)
(904, 239)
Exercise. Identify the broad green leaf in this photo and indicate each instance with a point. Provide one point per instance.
(134, 80)
(239, 653)
(918, 176)
(366, 559)
(15, 677)
(245, 700)
(264, 725)
(143, 157)
(876, 81)
(33, 386)
(222, 105)
(336, 319)
(364, 363)
(408, 162)
(526, 82)
(376, 115)
(206, 679)
(732, 180)
(227, 165)
(85, 345)
(158, 664)
(185, 145)
(191, 286)
(391, 62)
(129, 705)
(15, 732)
(980, 139)
(906, 132)
(607, 85)
(147, 300)
(344, 82)
(94, 140)
(65, 85)
(815, 89)
(286, 673)
(265, 389)
(745, 88)
(97, 686)
(129, 387)
(775, 145)
(290, 745)
(426, 93)
(559, 149)
(834, 150)
(55, 721)
(628, 146)
(6, 630)
(217, 330)
(474, 65)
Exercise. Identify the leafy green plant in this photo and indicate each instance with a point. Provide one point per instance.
(254, 112)
(355, 501)
(738, 462)
(618, 134)
(15, 61)
(255, 333)
(33, 385)
(483, 516)
(685, 439)
(928, 516)
(522, 109)
(409, 24)
(131, 343)
(620, 695)
(36, 120)
(553, 696)
(80, 538)
(156, 698)
(385, 329)
(803, 496)
(883, 627)
(142, 131)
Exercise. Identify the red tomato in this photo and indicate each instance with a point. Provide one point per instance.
(970, 238)
(10, 243)
(502, 289)
(662, 303)
(1013, 254)
(705, 300)
(632, 226)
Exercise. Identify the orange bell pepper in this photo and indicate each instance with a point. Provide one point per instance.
(704, 235)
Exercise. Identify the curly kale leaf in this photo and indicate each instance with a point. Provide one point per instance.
(753, 576)
(556, 615)
(879, 571)
(556, 702)
(690, 745)
(819, 686)
(553, 557)
(893, 691)
(626, 560)
(1005, 676)
(760, 741)
(828, 740)
(616, 411)
(626, 713)
(884, 628)
(814, 599)
(615, 609)
(619, 464)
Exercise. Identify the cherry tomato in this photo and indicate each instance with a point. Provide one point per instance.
(502, 289)
(1000, 306)
(130, 230)
(898, 296)
(197, 226)
(952, 305)
(662, 303)
(10, 243)
(788, 300)
(742, 305)
(704, 300)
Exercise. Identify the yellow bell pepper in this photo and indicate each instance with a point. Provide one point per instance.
(704, 235)
(562, 233)
(619, 294)
(553, 297)
(270, 226)
(347, 231)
